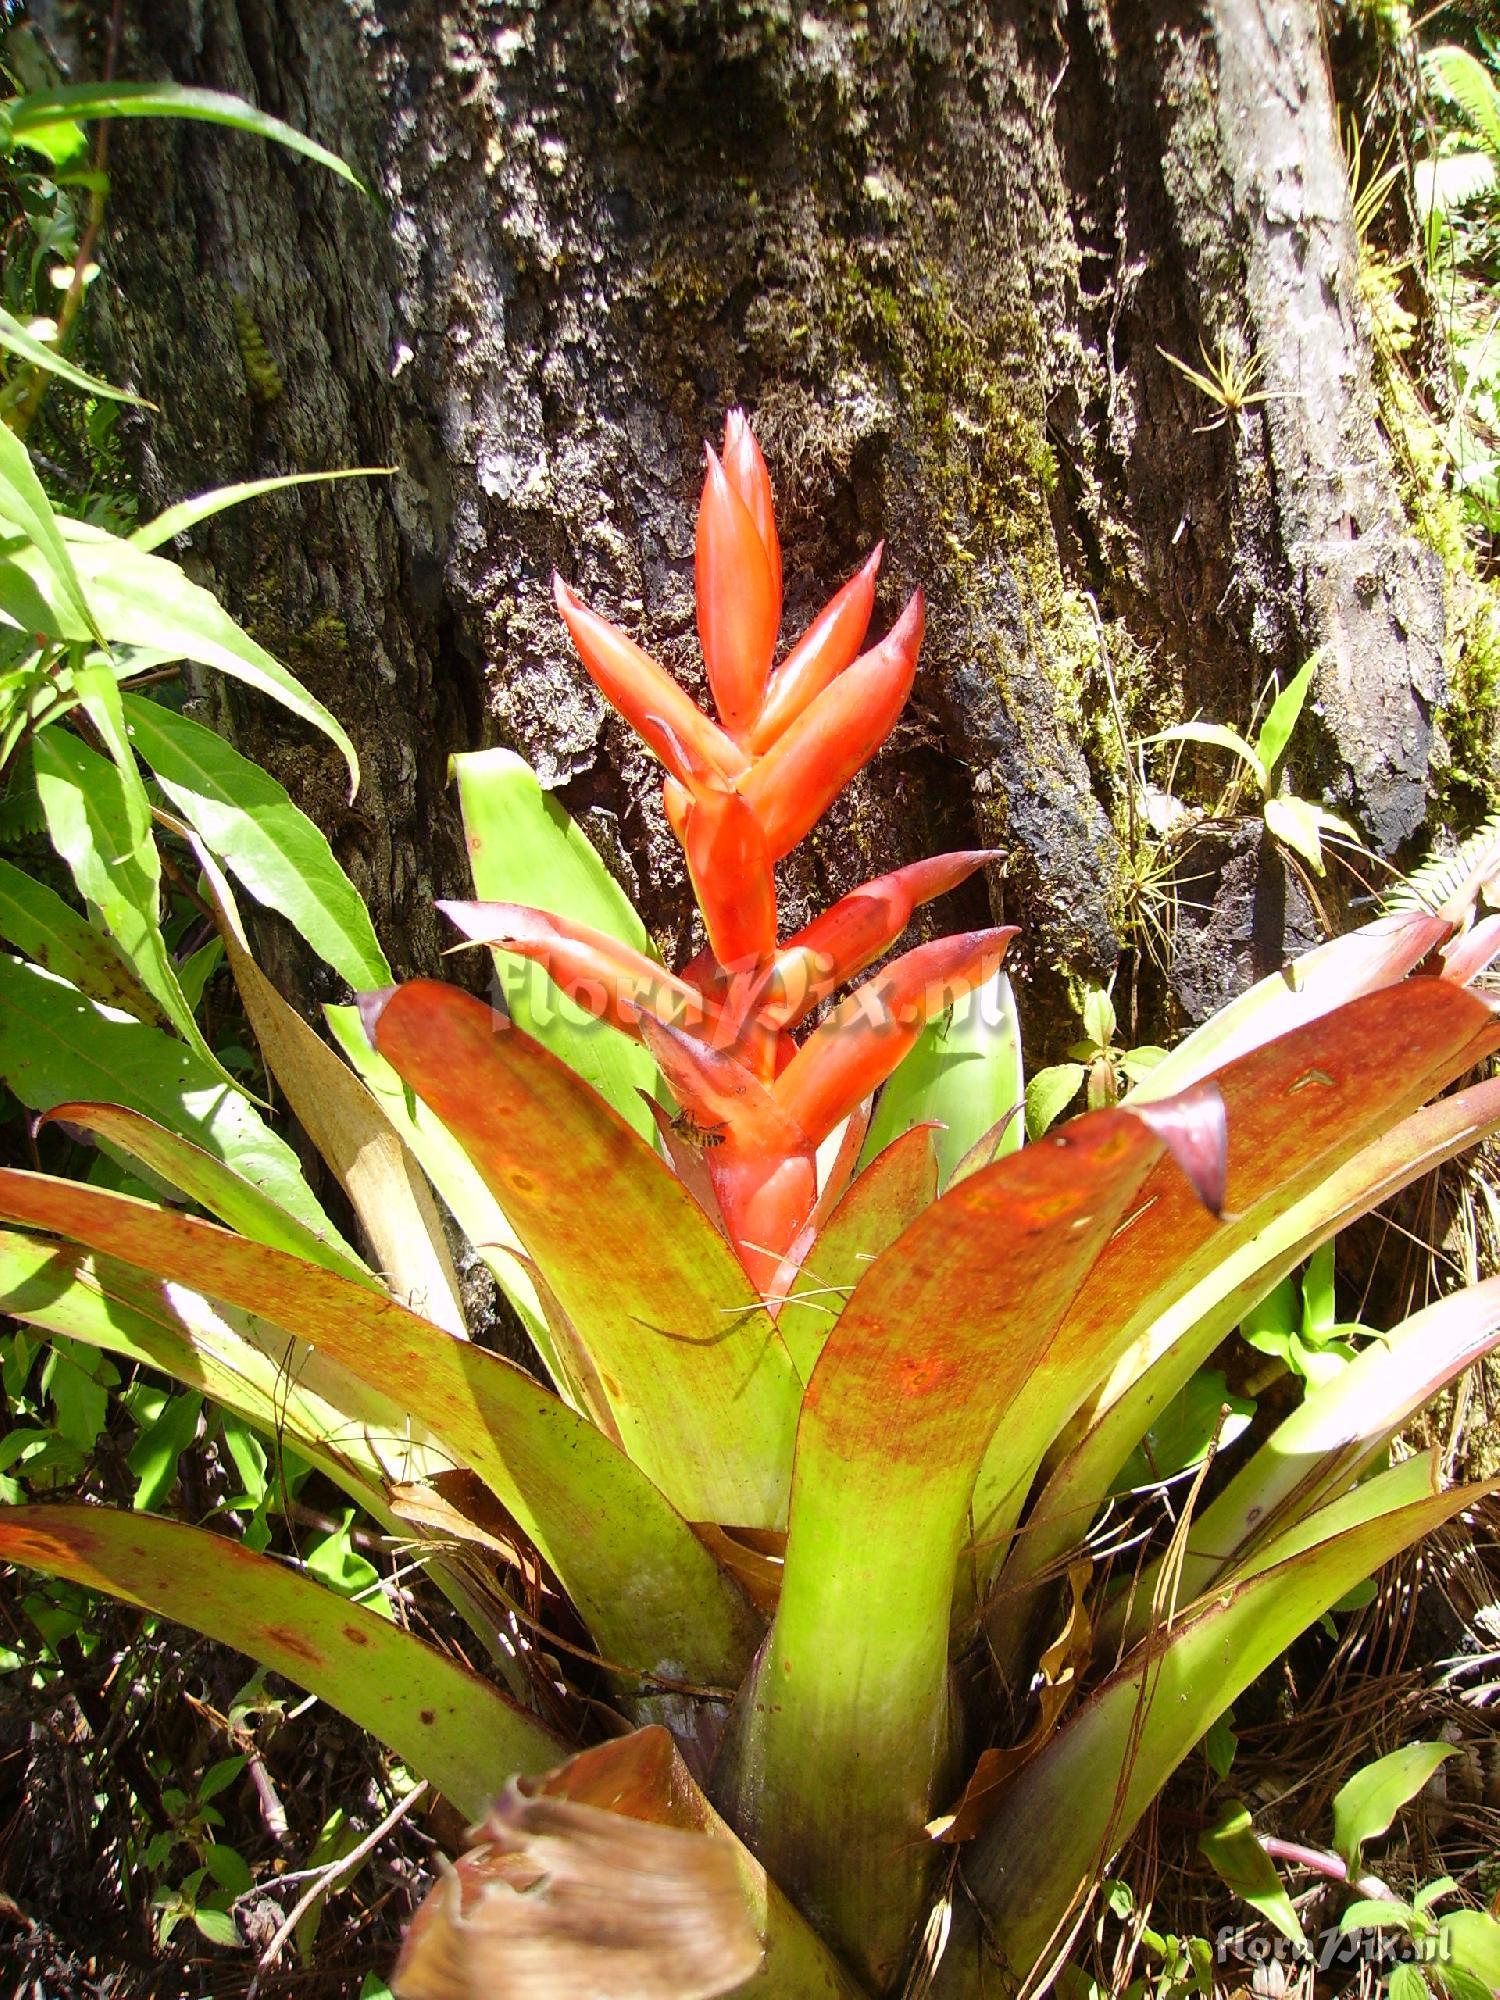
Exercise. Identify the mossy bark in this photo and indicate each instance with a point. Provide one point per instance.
(939, 252)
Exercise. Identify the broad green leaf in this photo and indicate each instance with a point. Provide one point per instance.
(37, 921)
(21, 116)
(438, 1718)
(1186, 1430)
(1237, 1857)
(1083, 1794)
(880, 1203)
(1169, 1287)
(1281, 719)
(1300, 826)
(248, 822)
(1377, 955)
(153, 1458)
(1364, 1807)
(848, 1706)
(371, 1164)
(187, 514)
(523, 848)
(144, 600)
(643, 1582)
(26, 506)
(963, 1073)
(1336, 1431)
(213, 1185)
(1216, 736)
(93, 824)
(1472, 1938)
(16, 339)
(700, 1384)
(56, 1046)
(1049, 1093)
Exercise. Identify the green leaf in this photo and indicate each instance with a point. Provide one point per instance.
(24, 116)
(144, 600)
(23, 502)
(187, 514)
(1237, 1857)
(963, 1073)
(1364, 1807)
(1282, 718)
(1186, 1430)
(643, 1582)
(218, 1778)
(1221, 1745)
(334, 1560)
(1299, 825)
(1216, 736)
(95, 827)
(1462, 77)
(56, 1047)
(699, 1382)
(848, 1704)
(523, 848)
(1472, 1941)
(37, 921)
(1084, 1793)
(213, 1185)
(436, 1716)
(249, 823)
(1049, 1094)
(154, 1457)
(1406, 1983)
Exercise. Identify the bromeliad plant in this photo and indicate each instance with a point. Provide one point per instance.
(800, 1542)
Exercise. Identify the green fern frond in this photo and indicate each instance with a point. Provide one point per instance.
(1463, 876)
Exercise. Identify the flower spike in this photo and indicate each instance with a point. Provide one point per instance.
(731, 870)
(796, 781)
(839, 944)
(863, 1039)
(739, 604)
(820, 655)
(745, 469)
(645, 693)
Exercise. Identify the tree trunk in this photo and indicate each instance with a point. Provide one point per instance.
(942, 255)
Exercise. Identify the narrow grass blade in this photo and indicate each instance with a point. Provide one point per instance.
(187, 514)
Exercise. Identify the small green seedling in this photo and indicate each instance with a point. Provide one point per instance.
(1095, 1062)
(1295, 823)
(1297, 1323)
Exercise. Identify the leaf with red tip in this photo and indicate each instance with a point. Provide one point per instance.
(848, 1705)
(863, 1039)
(440, 1719)
(745, 469)
(731, 871)
(739, 604)
(828, 645)
(793, 783)
(1193, 1129)
(642, 1583)
(701, 1388)
(645, 693)
(840, 943)
(597, 972)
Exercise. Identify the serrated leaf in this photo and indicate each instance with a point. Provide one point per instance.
(246, 819)
(1364, 1807)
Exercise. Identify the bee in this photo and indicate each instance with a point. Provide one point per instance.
(692, 1133)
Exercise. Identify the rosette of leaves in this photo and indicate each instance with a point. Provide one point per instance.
(784, 1549)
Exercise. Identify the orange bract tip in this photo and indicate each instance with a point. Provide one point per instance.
(739, 600)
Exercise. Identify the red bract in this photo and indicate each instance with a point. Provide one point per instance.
(740, 793)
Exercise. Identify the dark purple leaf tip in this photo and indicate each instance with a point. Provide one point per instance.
(1194, 1130)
